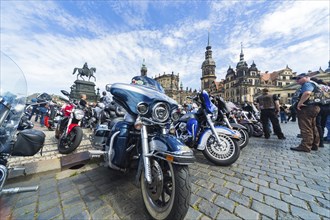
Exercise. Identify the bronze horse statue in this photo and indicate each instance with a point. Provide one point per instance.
(85, 72)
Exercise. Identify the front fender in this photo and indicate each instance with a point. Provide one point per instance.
(235, 125)
(168, 147)
(219, 130)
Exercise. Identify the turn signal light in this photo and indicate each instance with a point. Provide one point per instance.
(169, 158)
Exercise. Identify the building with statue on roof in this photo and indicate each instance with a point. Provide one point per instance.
(171, 86)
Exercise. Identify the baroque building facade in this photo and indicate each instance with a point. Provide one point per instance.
(244, 84)
(171, 86)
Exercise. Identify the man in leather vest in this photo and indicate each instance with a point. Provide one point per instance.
(269, 106)
(306, 114)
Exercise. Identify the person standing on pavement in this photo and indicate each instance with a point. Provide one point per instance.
(283, 115)
(324, 111)
(269, 107)
(306, 114)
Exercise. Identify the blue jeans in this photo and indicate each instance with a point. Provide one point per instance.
(42, 112)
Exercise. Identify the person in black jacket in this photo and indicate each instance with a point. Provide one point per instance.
(269, 107)
(83, 101)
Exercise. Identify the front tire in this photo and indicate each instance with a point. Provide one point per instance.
(168, 196)
(224, 154)
(71, 142)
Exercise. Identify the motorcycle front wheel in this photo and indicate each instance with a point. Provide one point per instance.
(223, 154)
(71, 142)
(168, 195)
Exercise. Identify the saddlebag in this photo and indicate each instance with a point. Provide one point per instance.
(28, 142)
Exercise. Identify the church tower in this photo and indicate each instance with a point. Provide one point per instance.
(144, 69)
(208, 68)
(241, 67)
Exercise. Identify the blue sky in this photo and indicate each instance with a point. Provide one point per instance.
(48, 39)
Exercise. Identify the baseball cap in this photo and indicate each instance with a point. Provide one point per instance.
(301, 75)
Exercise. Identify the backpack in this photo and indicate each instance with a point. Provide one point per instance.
(320, 95)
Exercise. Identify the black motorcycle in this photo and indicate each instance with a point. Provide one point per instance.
(140, 141)
(224, 114)
(25, 123)
(12, 105)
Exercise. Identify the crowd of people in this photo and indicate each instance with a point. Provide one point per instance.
(312, 117)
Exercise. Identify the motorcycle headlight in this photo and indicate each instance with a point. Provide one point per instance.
(78, 114)
(175, 115)
(215, 114)
(142, 108)
(160, 112)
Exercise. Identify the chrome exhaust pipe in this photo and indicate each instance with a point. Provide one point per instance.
(3, 176)
(19, 190)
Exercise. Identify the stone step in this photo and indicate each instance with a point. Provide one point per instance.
(49, 150)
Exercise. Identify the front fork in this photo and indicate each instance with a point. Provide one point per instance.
(68, 125)
(210, 122)
(145, 154)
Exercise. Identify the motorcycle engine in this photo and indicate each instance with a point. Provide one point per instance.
(183, 127)
(184, 136)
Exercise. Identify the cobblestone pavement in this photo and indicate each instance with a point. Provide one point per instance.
(268, 181)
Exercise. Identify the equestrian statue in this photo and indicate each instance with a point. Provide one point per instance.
(85, 71)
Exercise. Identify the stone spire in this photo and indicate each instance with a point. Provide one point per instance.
(208, 67)
(144, 69)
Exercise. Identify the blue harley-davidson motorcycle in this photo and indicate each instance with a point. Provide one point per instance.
(197, 130)
(140, 140)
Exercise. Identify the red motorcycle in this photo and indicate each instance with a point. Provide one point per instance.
(68, 130)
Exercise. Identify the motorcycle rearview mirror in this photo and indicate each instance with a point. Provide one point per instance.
(108, 87)
(63, 99)
(65, 93)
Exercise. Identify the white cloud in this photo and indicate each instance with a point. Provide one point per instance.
(297, 16)
(48, 41)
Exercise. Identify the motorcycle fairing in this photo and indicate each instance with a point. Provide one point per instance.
(168, 147)
(192, 127)
(129, 95)
(219, 129)
(210, 107)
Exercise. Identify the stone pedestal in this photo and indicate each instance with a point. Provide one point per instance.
(84, 87)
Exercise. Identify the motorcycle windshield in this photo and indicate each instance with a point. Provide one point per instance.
(147, 82)
(13, 93)
(210, 107)
(130, 95)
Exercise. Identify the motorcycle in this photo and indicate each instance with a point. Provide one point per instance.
(224, 121)
(50, 117)
(197, 130)
(103, 118)
(249, 120)
(24, 122)
(12, 105)
(140, 141)
(68, 130)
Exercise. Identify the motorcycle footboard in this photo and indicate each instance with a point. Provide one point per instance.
(75, 161)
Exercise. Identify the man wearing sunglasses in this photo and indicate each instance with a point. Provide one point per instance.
(306, 114)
